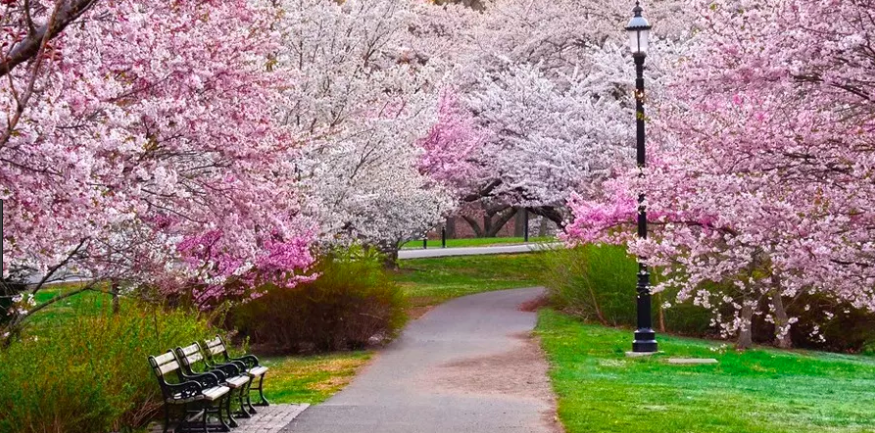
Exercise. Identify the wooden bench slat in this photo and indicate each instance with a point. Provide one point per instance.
(168, 367)
(188, 350)
(215, 392)
(164, 358)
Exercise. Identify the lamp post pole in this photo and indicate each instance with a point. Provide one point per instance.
(645, 337)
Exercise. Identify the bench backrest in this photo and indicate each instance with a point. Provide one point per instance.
(163, 364)
(217, 347)
(190, 355)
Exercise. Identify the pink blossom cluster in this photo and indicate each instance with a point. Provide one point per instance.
(452, 146)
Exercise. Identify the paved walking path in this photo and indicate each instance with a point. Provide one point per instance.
(468, 366)
(474, 251)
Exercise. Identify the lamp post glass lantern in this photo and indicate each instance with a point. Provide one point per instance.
(639, 35)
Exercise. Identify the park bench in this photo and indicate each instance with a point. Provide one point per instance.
(218, 354)
(197, 395)
(231, 375)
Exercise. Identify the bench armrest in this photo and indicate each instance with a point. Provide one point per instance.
(230, 369)
(249, 360)
(184, 390)
(207, 380)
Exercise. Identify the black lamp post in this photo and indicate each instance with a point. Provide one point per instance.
(639, 33)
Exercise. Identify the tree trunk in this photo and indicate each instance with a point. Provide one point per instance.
(550, 213)
(451, 228)
(519, 224)
(543, 227)
(474, 225)
(497, 225)
(745, 335)
(661, 311)
(116, 304)
(782, 322)
(390, 258)
(487, 225)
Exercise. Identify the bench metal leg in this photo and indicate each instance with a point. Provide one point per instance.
(197, 419)
(231, 421)
(263, 401)
(241, 399)
(166, 417)
(248, 396)
(205, 418)
(223, 425)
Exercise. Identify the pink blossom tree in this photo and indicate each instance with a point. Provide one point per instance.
(141, 145)
(762, 166)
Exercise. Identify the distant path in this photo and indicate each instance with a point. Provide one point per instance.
(468, 366)
(65, 276)
(474, 251)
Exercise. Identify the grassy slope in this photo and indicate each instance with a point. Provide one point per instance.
(311, 379)
(431, 281)
(292, 379)
(764, 390)
(475, 242)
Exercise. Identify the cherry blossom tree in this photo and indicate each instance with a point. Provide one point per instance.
(762, 167)
(547, 84)
(366, 93)
(140, 145)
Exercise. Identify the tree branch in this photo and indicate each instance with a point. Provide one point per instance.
(67, 11)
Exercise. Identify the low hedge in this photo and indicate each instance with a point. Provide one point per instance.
(597, 283)
(352, 301)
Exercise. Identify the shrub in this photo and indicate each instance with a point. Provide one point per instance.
(90, 373)
(850, 330)
(353, 300)
(597, 283)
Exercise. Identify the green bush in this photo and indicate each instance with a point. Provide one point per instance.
(850, 330)
(90, 373)
(597, 283)
(351, 301)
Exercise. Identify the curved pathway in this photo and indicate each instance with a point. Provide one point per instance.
(468, 366)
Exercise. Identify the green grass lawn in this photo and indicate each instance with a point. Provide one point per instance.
(761, 390)
(90, 302)
(476, 242)
(311, 379)
(431, 281)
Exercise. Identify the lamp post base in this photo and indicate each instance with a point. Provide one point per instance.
(645, 341)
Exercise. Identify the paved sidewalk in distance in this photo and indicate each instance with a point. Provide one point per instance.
(470, 365)
(270, 419)
(65, 276)
(475, 251)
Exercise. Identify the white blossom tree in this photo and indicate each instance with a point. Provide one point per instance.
(364, 97)
(550, 84)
